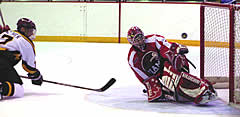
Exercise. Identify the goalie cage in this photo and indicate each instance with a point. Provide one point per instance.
(220, 47)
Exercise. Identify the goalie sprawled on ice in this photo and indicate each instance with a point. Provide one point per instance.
(163, 69)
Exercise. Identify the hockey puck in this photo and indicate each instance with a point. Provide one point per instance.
(144, 91)
(184, 35)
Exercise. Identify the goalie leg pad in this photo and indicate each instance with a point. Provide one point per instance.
(190, 86)
(196, 89)
(186, 85)
(209, 95)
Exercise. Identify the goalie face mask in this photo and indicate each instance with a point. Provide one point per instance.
(138, 41)
(136, 38)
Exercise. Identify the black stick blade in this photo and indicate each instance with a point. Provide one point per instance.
(109, 84)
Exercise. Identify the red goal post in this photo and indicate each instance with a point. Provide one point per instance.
(220, 46)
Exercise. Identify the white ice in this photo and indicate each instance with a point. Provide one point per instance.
(88, 65)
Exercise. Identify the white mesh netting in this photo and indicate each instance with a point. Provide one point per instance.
(217, 39)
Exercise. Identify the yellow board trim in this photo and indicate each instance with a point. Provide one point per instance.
(77, 39)
(3, 48)
(103, 39)
(124, 40)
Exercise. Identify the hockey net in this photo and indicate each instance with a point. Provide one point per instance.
(220, 47)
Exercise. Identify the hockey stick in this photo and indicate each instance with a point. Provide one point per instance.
(191, 63)
(2, 18)
(105, 87)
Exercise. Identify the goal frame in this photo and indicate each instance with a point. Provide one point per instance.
(231, 45)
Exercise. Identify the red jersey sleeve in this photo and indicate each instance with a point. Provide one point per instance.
(160, 42)
(136, 65)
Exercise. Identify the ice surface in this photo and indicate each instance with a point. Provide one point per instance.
(92, 65)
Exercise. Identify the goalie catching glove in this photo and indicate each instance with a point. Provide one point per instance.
(36, 78)
(177, 58)
(178, 49)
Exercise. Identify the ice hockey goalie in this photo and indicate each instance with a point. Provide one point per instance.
(163, 69)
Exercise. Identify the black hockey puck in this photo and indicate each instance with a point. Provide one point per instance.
(184, 35)
(144, 91)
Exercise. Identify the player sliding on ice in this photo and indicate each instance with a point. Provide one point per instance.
(163, 69)
(15, 46)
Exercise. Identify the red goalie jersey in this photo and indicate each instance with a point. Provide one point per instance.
(155, 45)
(163, 69)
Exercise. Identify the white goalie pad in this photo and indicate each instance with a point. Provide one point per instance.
(184, 84)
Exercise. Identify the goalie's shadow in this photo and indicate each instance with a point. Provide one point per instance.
(132, 98)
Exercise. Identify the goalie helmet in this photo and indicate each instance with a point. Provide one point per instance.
(136, 37)
(30, 27)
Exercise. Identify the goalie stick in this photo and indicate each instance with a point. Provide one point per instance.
(104, 88)
(191, 63)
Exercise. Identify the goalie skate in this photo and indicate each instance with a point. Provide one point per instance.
(208, 96)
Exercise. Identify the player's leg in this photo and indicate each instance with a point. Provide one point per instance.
(181, 64)
(188, 86)
(10, 82)
(196, 89)
(8, 89)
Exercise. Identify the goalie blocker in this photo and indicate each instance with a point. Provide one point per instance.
(181, 86)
